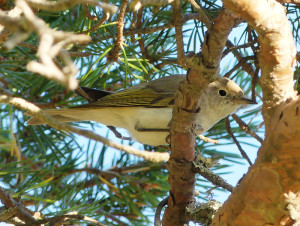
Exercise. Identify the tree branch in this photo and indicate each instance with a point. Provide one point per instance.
(204, 70)
(62, 5)
(229, 130)
(9, 202)
(216, 38)
(177, 20)
(243, 126)
(204, 18)
(114, 54)
(64, 218)
(215, 179)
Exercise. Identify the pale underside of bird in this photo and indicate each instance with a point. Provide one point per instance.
(145, 110)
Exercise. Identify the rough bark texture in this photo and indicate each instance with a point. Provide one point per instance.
(260, 198)
(204, 70)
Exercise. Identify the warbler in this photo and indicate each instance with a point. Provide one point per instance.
(145, 110)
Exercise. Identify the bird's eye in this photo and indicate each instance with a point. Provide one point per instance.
(222, 92)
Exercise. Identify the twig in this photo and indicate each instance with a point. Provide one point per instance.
(246, 67)
(161, 205)
(246, 45)
(66, 217)
(150, 30)
(204, 18)
(87, 13)
(207, 139)
(37, 112)
(111, 173)
(117, 134)
(229, 130)
(112, 217)
(177, 18)
(81, 92)
(141, 41)
(9, 202)
(72, 54)
(114, 54)
(98, 24)
(61, 5)
(134, 21)
(13, 13)
(238, 65)
(246, 128)
(138, 4)
(253, 84)
(7, 213)
(215, 179)
(257, 66)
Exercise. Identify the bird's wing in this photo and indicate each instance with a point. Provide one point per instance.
(157, 93)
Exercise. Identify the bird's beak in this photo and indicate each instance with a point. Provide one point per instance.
(244, 100)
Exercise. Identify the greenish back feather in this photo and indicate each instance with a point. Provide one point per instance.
(155, 94)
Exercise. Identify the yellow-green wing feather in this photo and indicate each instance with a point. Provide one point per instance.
(157, 93)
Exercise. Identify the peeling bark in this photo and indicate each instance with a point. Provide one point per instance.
(260, 198)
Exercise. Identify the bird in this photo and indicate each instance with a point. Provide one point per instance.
(145, 110)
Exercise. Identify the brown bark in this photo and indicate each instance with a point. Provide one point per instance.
(182, 178)
(260, 198)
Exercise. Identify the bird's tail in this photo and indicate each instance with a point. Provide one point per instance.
(62, 115)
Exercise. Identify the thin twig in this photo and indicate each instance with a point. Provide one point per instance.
(111, 173)
(246, 67)
(177, 18)
(215, 179)
(230, 49)
(56, 6)
(114, 54)
(161, 205)
(7, 213)
(72, 54)
(138, 4)
(98, 24)
(37, 112)
(241, 63)
(141, 41)
(204, 18)
(207, 139)
(87, 13)
(150, 30)
(246, 128)
(66, 217)
(229, 130)
(134, 21)
(253, 84)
